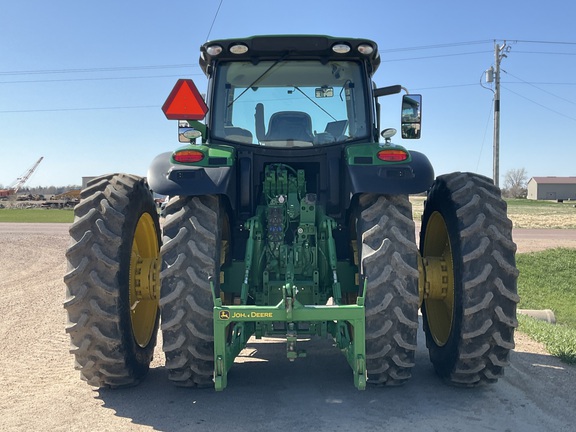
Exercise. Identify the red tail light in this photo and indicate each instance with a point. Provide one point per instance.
(188, 156)
(392, 155)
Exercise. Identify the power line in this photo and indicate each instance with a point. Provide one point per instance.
(436, 56)
(79, 109)
(445, 86)
(544, 52)
(446, 45)
(503, 82)
(540, 105)
(477, 42)
(542, 42)
(96, 79)
(101, 69)
(214, 20)
(542, 90)
(485, 132)
(542, 83)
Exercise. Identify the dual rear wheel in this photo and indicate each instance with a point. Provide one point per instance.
(469, 309)
(113, 281)
(464, 274)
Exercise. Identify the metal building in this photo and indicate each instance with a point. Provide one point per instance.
(552, 188)
(85, 181)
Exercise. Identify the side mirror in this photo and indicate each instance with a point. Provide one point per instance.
(411, 118)
(189, 130)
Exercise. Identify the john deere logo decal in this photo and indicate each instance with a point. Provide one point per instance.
(224, 315)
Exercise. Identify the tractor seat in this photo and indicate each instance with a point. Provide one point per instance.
(289, 126)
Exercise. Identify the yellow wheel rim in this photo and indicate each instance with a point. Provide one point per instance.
(144, 280)
(439, 290)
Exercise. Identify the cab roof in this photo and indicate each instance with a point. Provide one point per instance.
(293, 47)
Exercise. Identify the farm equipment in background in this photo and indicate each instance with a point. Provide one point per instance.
(289, 216)
(13, 189)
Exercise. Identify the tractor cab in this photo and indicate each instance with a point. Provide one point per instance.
(306, 91)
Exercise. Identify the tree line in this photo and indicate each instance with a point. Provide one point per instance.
(45, 190)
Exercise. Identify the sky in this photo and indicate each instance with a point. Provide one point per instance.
(82, 83)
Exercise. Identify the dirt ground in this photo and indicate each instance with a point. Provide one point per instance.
(41, 391)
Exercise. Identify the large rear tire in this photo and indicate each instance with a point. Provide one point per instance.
(388, 258)
(470, 327)
(191, 253)
(113, 281)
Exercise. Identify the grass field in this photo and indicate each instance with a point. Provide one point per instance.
(525, 213)
(36, 215)
(547, 281)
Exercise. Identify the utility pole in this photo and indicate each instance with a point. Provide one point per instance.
(499, 54)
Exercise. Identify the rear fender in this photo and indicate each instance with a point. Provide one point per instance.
(168, 178)
(412, 177)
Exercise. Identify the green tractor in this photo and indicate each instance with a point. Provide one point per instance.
(289, 216)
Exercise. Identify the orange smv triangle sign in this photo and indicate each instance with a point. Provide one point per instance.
(185, 102)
